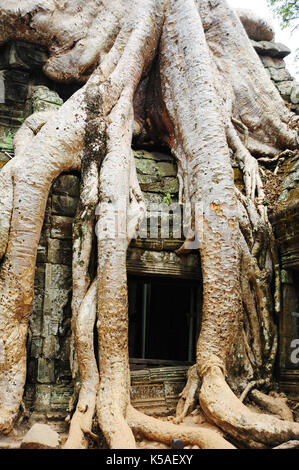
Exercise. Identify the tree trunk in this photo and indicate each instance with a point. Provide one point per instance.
(181, 71)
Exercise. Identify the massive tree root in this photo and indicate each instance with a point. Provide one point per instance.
(168, 71)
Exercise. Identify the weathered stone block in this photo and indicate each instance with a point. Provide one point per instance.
(37, 307)
(63, 372)
(59, 251)
(285, 89)
(272, 49)
(37, 416)
(60, 396)
(25, 56)
(56, 415)
(157, 169)
(42, 397)
(58, 276)
(272, 62)
(64, 333)
(67, 185)
(16, 86)
(152, 198)
(279, 75)
(165, 185)
(40, 436)
(29, 394)
(39, 279)
(36, 347)
(44, 99)
(45, 371)
(286, 277)
(156, 156)
(55, 303)
(50, 347)
(10, 116)
(36, 314)
(64, 205)
(295, 94)
(61, 227)
(41, 256)
(147, 179)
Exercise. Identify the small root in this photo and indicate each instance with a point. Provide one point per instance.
(91, 434)
(243, 129)
(276, 405)
(23, 412)
(72, 404)
(251, 386)
(188, 396)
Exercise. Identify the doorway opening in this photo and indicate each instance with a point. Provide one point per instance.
(163, 321)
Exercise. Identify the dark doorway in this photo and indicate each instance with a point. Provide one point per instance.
(163, 319)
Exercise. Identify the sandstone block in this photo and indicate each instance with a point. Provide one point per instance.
(67, 185)
(279, 75)
(272, 49)
(295, 94)
(59, 251)
(285, 89)
(61, 227)
(64, 205)
(45, 371)
(40, 436)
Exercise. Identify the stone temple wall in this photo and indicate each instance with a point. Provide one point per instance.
(286, 228)
(49, 384)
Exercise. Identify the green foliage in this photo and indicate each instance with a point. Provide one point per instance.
(158, 173)
(167, 199)
(21, 120)
(286, 10)
(7, 138)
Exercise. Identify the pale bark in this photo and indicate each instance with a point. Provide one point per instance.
(184, 72)
(81, 423)
(54, 149)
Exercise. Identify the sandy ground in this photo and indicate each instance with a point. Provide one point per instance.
(14, 439)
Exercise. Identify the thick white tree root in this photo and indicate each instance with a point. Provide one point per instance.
(95, 127)
(163, 431)
(223, 408)
(54, 149)
(81, 423)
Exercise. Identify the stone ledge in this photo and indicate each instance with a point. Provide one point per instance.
(272, 49)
